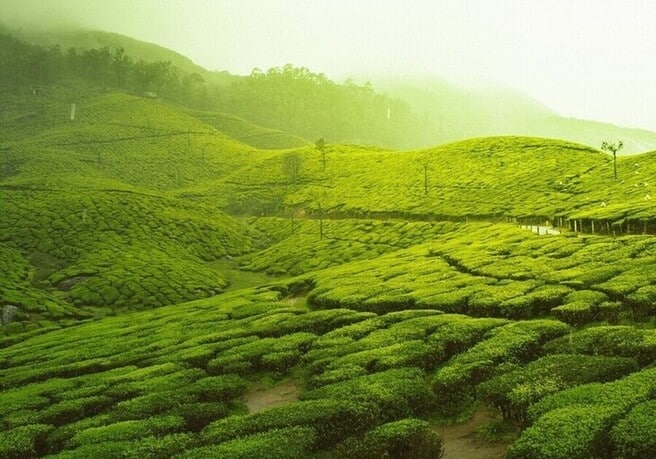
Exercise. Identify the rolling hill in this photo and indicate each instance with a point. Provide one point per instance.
(183, 283)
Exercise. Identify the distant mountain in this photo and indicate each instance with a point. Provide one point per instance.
(449, 112)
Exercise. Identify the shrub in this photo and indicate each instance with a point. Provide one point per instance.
(609, 340)
(332, 420)
(620, 394)
(129, 430)
(68, 411)
(517, 342)
(398, 392)
(153, 404)
(109, 449)
(24, 442)
(199, 415)
(513, 392)
(409, 438)
(576, 313)
(342, 373)
(218, 388)
(575, 432)
(634, 436)
(286, 443)
(642, 302)
(241, 359)
(158, 447)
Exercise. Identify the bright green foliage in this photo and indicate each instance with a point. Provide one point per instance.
(398, 392)
(517, 342)
(566, 433)
(277, 354)
(23, 442)
(635, 435)
(509, 272)
(303, 250)
(332, 420)
(512, 393)
(286, 443)
(622, 341)
(128, 430)
(404, 438)
(619, 395)
(580, 307)
(248, 133)
(119, 211)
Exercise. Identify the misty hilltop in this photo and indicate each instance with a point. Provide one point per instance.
(395, 113)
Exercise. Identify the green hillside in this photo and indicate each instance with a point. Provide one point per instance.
(183, 283)
(249, 133)
(87, 217)
(482, 179)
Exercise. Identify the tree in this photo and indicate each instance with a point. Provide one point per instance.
(291, 166)
(426, 166)
(321, 146)
(613, 148)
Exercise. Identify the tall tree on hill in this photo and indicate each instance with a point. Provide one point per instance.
(321, 146)
(613, 148)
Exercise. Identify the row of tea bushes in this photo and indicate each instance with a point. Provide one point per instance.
(579, 422)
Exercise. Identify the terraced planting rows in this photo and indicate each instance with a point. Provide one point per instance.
(489, 179)
(248, 133)
(170, 382)
(307, 245)
(508, 272)
(149, 145)
(401, 311)
(112, 250)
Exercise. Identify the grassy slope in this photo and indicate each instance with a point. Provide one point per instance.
(86, 208)
(249, 133)
(162, 378)
(132, 236)
(478, 178)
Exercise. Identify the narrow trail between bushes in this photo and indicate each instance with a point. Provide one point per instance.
(260, 399)
(460, 441)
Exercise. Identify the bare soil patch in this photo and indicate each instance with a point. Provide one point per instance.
(460, 441)
(260, 399)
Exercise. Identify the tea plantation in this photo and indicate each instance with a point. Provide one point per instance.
(162, 266)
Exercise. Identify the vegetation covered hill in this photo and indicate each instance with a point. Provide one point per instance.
(71, 37)
(392, 290)
(488, 178)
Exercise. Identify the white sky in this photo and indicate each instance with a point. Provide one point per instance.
(593, 59)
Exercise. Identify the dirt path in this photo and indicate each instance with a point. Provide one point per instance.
(460, 442)
(260, 399)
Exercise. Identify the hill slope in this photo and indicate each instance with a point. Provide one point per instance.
(87, 220)
(486, 178)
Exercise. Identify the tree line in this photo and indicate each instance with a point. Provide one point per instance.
(288, 98)
(25, 66)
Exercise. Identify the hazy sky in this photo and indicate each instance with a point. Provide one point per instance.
(592, 59)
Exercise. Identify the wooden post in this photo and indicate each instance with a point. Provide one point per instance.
(592, 223)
